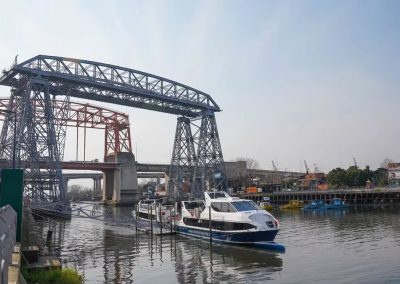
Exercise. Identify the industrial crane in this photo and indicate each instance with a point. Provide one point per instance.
(307, 169)
(274, 166)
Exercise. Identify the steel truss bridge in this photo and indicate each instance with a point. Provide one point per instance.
(40, 109)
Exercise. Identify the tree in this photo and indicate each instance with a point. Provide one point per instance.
(380, 177)
(353, 176)
(79, 193)
(366, 175)
(337, 177)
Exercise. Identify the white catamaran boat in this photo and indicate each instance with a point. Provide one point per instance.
(233, 220)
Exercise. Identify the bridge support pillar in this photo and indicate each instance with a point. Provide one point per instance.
(121, 185)
(96, 188)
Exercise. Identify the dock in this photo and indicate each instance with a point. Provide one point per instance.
(351, 196)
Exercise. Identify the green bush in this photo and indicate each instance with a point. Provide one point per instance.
(54, 276)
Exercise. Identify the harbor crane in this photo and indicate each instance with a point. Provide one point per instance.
(307, 168)
(274, 166)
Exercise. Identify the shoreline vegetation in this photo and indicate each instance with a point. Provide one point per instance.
(52, 276)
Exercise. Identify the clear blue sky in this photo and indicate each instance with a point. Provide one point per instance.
(297, 80)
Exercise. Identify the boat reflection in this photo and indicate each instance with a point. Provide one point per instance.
(200, 261)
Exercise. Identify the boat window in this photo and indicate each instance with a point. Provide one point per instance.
(227, 207)
(216, 206)
(192, 205)
(245, 206)
(217, 225)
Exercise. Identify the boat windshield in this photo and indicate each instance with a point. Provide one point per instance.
(214, 195)
(246, 205)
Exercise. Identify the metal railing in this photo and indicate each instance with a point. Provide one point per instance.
(8, 224)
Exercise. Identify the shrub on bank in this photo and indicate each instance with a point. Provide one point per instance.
(54, 276)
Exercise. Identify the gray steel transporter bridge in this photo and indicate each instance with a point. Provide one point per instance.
(35, 132)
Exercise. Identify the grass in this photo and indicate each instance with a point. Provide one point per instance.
(54, 276)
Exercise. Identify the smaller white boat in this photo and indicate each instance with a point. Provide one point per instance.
(149, 210)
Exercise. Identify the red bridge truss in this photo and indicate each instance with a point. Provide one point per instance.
(82, 115)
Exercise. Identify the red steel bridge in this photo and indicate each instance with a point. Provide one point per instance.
(40, 109)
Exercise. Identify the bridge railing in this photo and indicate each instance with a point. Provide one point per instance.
(8, 224)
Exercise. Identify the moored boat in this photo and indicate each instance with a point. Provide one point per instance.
(314, 205)
(293, 204)
(227, 219)
(335, 203)
(149, 210)
(266, 204)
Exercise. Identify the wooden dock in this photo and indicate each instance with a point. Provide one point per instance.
(350, 196)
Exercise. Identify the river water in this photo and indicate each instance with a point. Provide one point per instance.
(358, 245)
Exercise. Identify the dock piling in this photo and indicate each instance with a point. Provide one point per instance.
(137, 217)
(170, 220)
(209, 222)
(151, 219)
(160, 214)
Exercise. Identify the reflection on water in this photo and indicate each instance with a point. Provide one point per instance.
(352, 245)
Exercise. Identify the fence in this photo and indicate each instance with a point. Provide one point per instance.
(8, 223)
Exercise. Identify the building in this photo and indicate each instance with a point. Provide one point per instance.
(313, 181)
(394, 174)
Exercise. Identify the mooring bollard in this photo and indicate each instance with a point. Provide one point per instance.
(209, 222)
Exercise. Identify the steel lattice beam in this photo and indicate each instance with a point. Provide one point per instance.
(112, 84)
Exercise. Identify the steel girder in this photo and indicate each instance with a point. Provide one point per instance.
(61, 112)
(112, 84)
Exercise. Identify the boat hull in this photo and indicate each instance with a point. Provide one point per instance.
(229, 237)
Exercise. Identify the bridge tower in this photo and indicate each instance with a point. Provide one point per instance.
(36, 141)
(183, 160)
(197, 168)
(210, 170)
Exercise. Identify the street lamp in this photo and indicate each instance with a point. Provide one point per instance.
(15, 131)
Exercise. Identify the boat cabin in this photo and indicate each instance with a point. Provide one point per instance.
(220, 202)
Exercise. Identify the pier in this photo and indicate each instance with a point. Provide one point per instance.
(350, 196)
